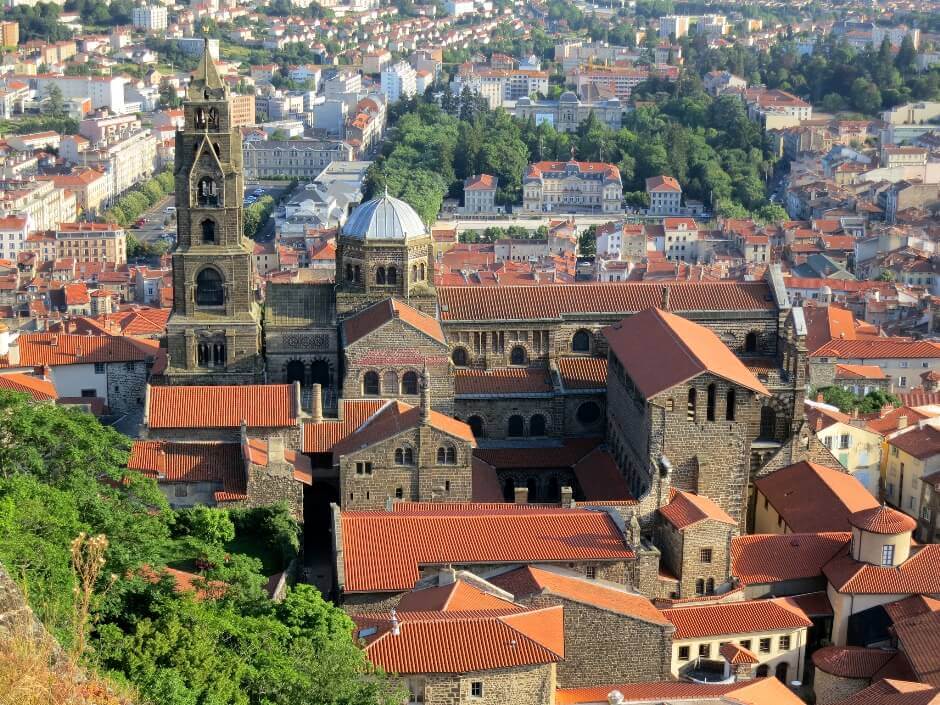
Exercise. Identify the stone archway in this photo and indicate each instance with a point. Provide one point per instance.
(320, 373)
(295, 372)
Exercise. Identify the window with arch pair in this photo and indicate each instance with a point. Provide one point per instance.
(210, 354)
(404, 456)
(705, 587)
(516, 426)
(446, 455)
(417, 272)
(386, 276)
(711, 401)
(353, 273)
(372, 387)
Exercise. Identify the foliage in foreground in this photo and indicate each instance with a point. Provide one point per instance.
(61, 474)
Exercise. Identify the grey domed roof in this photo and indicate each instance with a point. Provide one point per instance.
(384, 218)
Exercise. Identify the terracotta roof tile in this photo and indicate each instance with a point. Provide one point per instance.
(879, 348)
(685, 509)
(859, 372)
(372, 318)
(506, 380)
(918, 574)
(485, 482)
(771, 558)
(736, 618)
(565, 455)
(322, 437)
(394, 418)
(554, 301)
(532, 580)
(851, 661)
(674, 351)
(459, 596)
(881, 519)
(919, 638)
(382, 551)
(37, 388)
(814, 604)
(912, 606)
(464, 642)
(736, 654)
(922, 442)
(583, 372)
(259, 405)
(37, 349)
(894, 692)
(220, 463)
(812, 498)
(600, 478)
(761, 691)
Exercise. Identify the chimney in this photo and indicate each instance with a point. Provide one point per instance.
(818, 425)
(425, 396)
(567, 500)
(615, 697)
(902, 422)
(396, 625)
(243, 431)
(53, 341)
(521, 495)
(447, 576)
(665, 298)
(298, 403)
(276, 450)
(316, 412)
(820, 398)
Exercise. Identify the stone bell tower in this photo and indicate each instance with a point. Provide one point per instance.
(214, 332)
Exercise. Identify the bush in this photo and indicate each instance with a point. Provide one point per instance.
(274, 523)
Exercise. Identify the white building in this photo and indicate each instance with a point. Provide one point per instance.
(674, 26)
(458, 8)
(399, 81)
(104, 91)
(13, 233)
(665, 195)
(150, 18)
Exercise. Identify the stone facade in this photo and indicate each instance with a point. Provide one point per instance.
(371, 476)
(606, 647)
(214, 333)
(833, 689)
(127, 384)
(532, 685)
(699, 556)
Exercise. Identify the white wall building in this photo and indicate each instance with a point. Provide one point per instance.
(399, 81)
(150, 18)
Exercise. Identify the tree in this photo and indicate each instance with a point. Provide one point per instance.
(866, 98)
(876, 400)
(56, 101)
(907, 55)
(211, 526)
(587, 242)
(841, 398)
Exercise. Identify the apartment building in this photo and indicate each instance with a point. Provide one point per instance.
(91, 242)
(104, 91)
(566, 113)
(150, 18)
(572, 186)
(126, 160)
(621, 79)
(665, 195)
(41, 201)
(399, 81)
(92, 189)
(13, 233)
(295, 158)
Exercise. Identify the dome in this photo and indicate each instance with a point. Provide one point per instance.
(882, 520)
(384, 218)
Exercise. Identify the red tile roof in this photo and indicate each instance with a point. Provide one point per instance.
(382, 551)
(37, 388)
(258, 405)
(485, 482)
(220, 463)
(530, 581)
(464, 642)
(570, 452)
(881, 519)
(662, 183)
(918, 574)
(506, 380)
(771, 558)
(37, 349)
(736, 654)
(751, 616)
(851, 661)
(376, 316)
(394, 418)
(674, 351)
(912, 606)
(322, 437)
(879, 348)
(469, 303)
(685, 509)
(922, 442)
(894, 692)
(859, 372)
(812, 498)
(760, 691)
(459, 596)
(583, 372)
(919, 638)
(482, 181)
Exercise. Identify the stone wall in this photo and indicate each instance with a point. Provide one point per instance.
(682, 554)
(831, 689)
(605, 647)
(528, 685)
(127, 382)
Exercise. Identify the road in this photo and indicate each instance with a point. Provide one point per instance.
(582, 221)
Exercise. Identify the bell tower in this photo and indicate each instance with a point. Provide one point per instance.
(214, 332)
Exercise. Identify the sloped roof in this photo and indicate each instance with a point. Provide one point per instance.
(919, 638)
(382, 551)
(533, 580)
(37, 388)
(323, 436)
(859, 372)
(258, 405)
(736, 618)
(674, 350)
(882, 519)
(583, 372)
(760, 691)
(918, 574)
(770, 558)
(812, 498)
(685, 509)
(458, 596)
(395, 417)
(851, 661)
(384, 218)
(37, 349)
(361, 324)
(220, 463)
(736, 654)
(921, 442)
(464, 642)
(506, 380)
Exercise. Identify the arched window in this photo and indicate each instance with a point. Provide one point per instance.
(768, 423)
(370, 384)
(750, 342)
(517, 356)
(349, 273)
(409, 456)
(476, 426)
(414, 272)
(380, 275)
(358, 273)
(451, 456)
(390, 382)
(729, 405)
(213, 119)
(588, 413)
(203, 354)
(200, 117)
(421, 272)
(710, 586)
(699, 587)
(710, 403)
(516, 427)
(207, 192)
(441, 456)
(209, 289)
(459, 357)
(581, 342)
(391, 276)
(762, 670)
(537, 425)
(781, 671)
(690, 413)
(218, 354)
(409, 383)
(208, 231)
(399, 456)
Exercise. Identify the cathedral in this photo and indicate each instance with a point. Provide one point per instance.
(407, 391)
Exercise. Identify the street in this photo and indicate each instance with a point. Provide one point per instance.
(582, 221)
